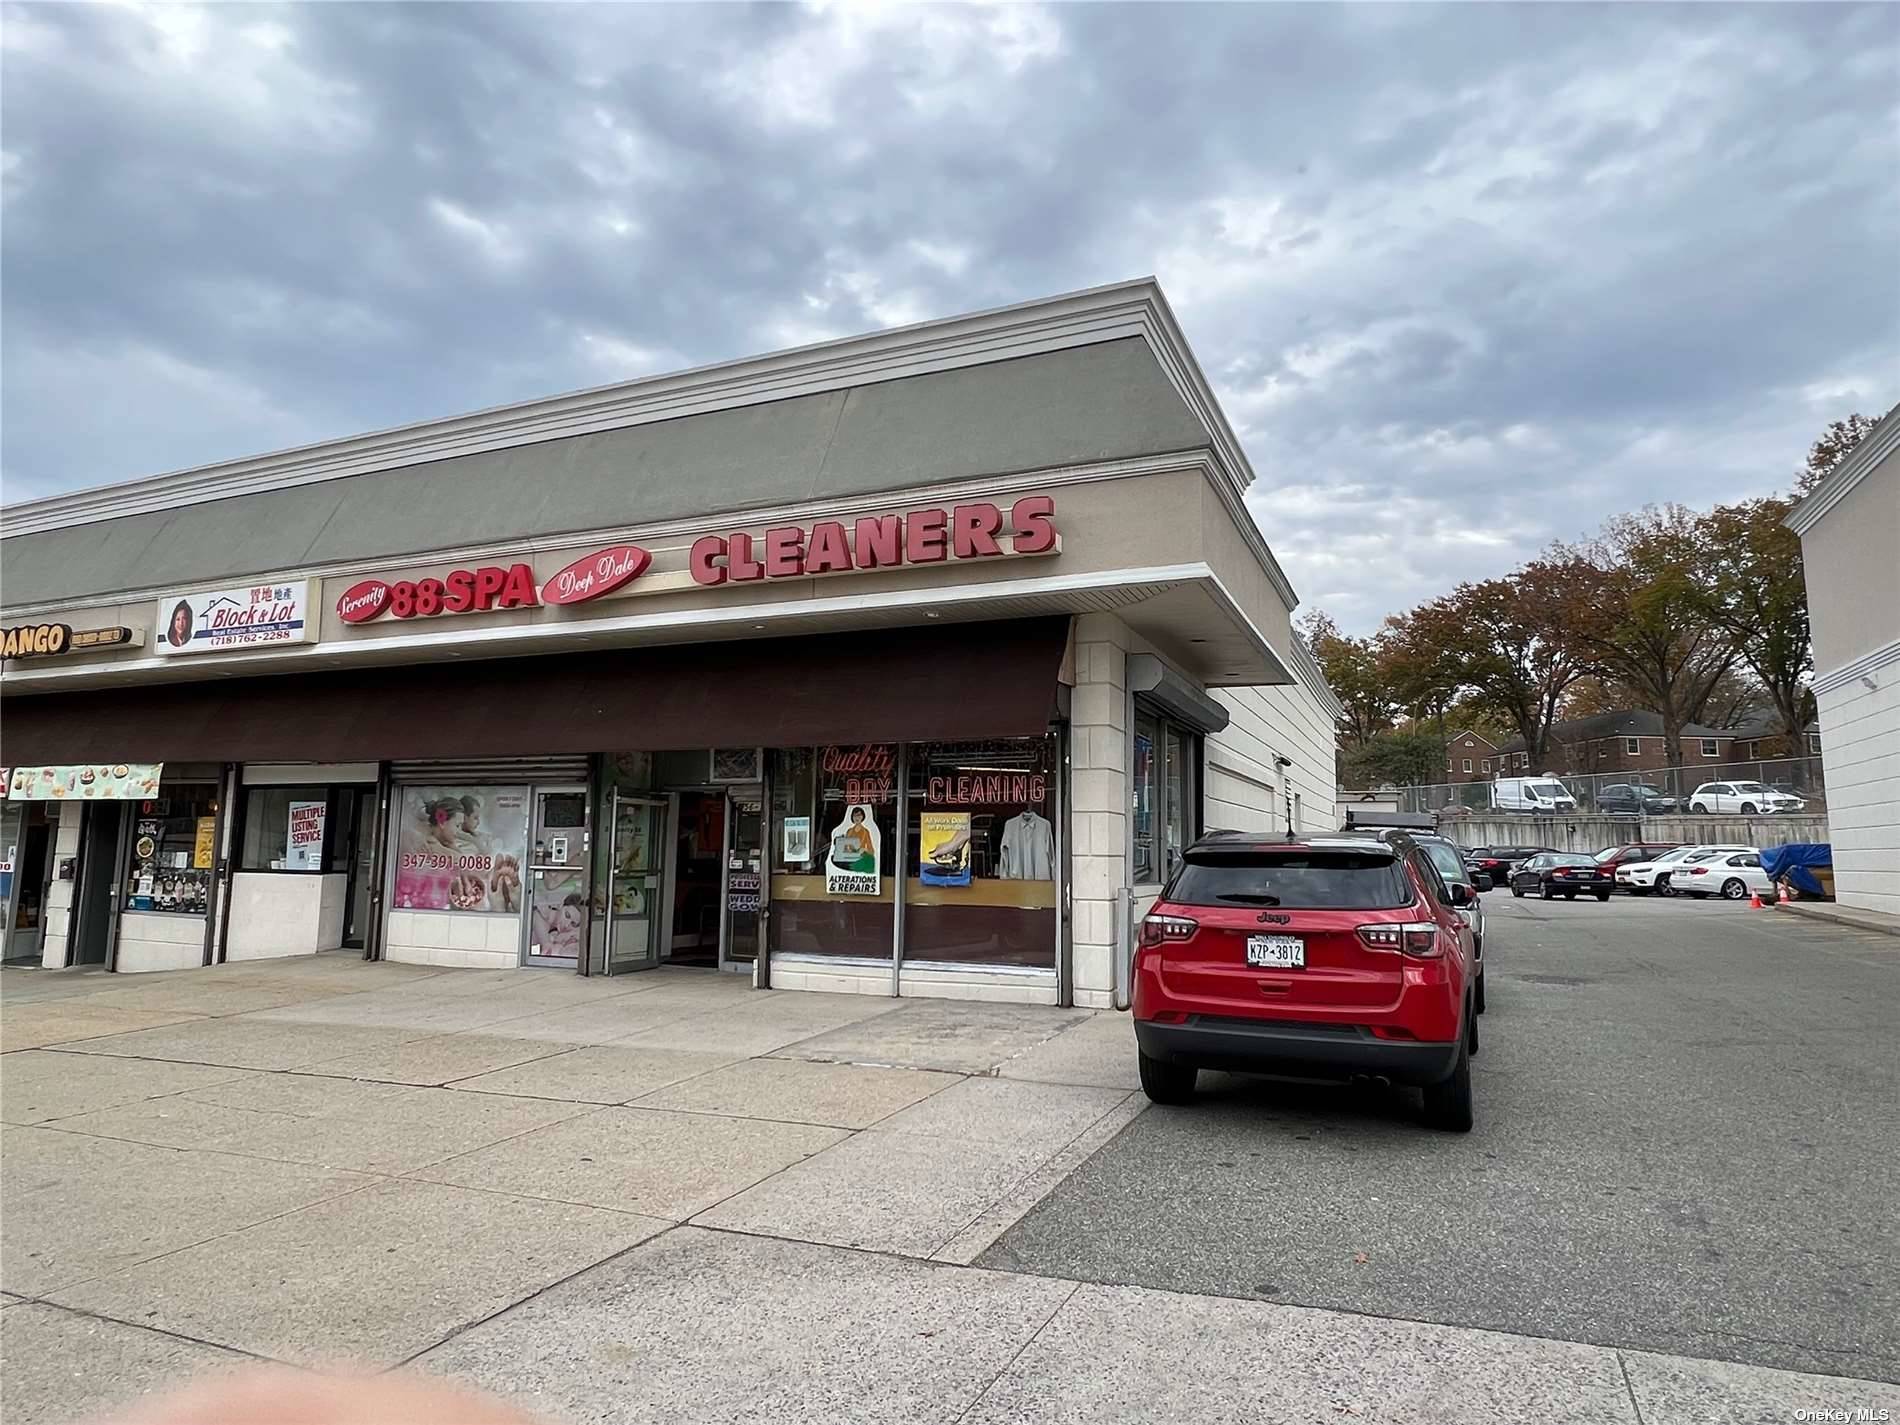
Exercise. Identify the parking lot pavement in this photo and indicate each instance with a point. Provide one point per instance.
(1688, 1126)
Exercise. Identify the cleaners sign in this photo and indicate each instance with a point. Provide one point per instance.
(218, 620)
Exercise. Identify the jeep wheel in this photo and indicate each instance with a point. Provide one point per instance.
(1734, 889)
(1448, 1103)
(1165, 1082)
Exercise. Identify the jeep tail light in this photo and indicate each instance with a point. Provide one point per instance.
(1417, 938)
(1158, 930)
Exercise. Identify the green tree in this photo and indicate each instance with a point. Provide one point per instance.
(1501, 642)
(1754, 588)
(1834, 446)
(1354, 670)
(1634, 610)
(1407, 759)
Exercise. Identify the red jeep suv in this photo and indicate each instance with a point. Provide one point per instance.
(1312, 958)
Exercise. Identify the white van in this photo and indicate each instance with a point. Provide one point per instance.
(1534, 794)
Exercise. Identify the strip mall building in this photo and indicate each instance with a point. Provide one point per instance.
(903, 664)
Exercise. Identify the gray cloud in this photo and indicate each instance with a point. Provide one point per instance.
(1467, 278)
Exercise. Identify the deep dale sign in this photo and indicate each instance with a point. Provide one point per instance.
(973, 531)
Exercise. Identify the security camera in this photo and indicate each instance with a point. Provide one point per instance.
(1283, 761)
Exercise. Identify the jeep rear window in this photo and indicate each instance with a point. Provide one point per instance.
(1306, 880)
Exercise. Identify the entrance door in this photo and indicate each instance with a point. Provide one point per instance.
(29, 849)
(699, 870)
(96, 910)
(635, 902)
(557, 878)
(745, 876)
(362, 858)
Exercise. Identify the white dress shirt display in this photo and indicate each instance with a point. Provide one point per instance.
(1029, 848)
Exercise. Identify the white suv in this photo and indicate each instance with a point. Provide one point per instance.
(1641, 877)
(1743, 798)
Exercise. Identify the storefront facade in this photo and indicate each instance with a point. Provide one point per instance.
(906, 664)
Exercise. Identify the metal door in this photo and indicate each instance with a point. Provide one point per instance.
(744, 878)
(557, 877)
(636, 857)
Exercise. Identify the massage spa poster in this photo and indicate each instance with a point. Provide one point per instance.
(462, 849)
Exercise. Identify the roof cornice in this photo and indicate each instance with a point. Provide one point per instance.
(1125, 309)
(1875, 446)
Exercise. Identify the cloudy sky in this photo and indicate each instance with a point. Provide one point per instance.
(1466, 278)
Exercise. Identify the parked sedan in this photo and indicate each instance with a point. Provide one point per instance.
(1498, 861)
(1731, 877)
(1642, 877)
(1561, 873)
(1743, 799)
(1635, 799)
(1614, 858)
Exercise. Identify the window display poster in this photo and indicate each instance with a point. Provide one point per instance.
(852, 865)
(93, 782)
(303, 851)
(944, 848)
(797, 835)
(462, 848)
(204, 844)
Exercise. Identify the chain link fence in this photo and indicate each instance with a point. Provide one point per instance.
(1659, 792)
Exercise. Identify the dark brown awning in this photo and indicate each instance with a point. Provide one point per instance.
(957, 681)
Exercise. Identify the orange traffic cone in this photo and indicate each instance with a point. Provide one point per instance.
(1754, 900)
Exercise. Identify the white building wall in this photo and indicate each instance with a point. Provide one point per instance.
(59, 895)
(453, 938)
(277, 915)
(1243, 789)
(1860, 755)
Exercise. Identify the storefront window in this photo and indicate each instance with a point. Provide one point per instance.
(1163, 807)
(980, 858)
(462, 849)
(174, 841)
(833, 846)
(1142, 809)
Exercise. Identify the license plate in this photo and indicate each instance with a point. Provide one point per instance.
(1280, 952)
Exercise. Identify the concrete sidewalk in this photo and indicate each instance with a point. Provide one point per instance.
(664, 1197)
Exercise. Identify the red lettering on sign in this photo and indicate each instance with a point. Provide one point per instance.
(973, 531)
(784, 552)
(708, 560)
(1033, 519)
(488, 582)
(871, 757)
(829, 551)
(924, 536)
(739, 560)
(880, 542)
(518, 591)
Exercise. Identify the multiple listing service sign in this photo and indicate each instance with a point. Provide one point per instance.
(218, 620)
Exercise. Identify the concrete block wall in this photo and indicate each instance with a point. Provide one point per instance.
(274, 915)
(453, 938)
(59, 895)
(1098, 803)
(159, 940)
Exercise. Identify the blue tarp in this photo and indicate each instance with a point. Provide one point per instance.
(1793, 861)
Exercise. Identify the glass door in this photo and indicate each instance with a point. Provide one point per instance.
(745, 876)
(636, 856)
(557, 877)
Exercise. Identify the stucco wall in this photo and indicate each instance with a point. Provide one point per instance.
(1860, 753)
(1853, 573)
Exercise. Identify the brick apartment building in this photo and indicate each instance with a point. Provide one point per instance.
(1620, 742)
(1471, 757)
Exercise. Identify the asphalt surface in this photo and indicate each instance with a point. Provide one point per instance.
(1688, 1140)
